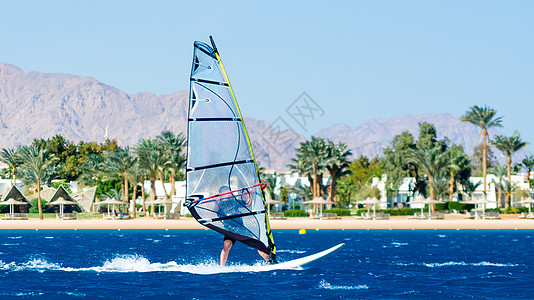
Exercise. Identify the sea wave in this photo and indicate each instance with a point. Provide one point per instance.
(458, 263)
(134, 264)
(325, 285)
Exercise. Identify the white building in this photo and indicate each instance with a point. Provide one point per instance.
(407, 184)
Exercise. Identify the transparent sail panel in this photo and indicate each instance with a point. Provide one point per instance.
(222, 182)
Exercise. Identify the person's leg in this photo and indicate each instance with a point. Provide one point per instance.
(226, 249)
(264, 255)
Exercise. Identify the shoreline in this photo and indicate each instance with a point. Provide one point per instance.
(455, 222)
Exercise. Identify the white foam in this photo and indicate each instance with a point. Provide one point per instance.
(325, 285)
(14, 237)
(134, 264)
(291, 251)
(459, 263)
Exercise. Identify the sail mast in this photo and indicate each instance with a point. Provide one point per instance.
(221, 164)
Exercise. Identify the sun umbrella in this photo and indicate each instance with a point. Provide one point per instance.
(420, 200)
(270, 201)
(528, 201)
(61, 201)
(482, 200)
(12, 202)
(423, 200)
(111, 201)
(161, 201)
(318, 201)
(368, 200)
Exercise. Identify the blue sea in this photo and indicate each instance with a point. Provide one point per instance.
(183, 264)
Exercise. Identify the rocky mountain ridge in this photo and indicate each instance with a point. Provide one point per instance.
(41, 105)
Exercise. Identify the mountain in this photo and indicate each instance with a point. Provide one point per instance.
(34, 104)
(41, 105)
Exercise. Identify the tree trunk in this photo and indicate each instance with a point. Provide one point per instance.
(509, 170)
(484, 133)
(173, 191)
(133, 199)
(126, 194)
(14, 172)
(430, 181)
(499, 203)
(143, 198)
(173, 183)
(163, 184)
(152, 192)
(451, 189)
(314, 189)
(122, 189)
(39, 198)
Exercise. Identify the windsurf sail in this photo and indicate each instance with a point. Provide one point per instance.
(224, 192)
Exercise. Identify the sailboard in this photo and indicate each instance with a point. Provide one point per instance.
(299, 262)
(223, 189)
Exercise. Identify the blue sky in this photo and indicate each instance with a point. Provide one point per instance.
(358, 60)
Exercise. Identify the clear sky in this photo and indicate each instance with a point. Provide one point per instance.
(358, 60)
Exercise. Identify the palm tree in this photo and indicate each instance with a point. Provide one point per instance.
(270, 180)
(509, 145)
(174, 146)
(299, 166)
(484, 118)
(337, 164)
(38, 162)
(500, 172)
(345, 189)
(440, 185)
(151, 158)
(120, 162)
(91, 170)
(315, 153)
(528, 162)
(11, 158)
(135, 175)
(457, 161)
(431, 161)
(470, 187)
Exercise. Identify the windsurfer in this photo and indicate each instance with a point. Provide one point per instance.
(228, 241)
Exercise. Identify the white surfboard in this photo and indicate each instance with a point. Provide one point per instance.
(292, 264)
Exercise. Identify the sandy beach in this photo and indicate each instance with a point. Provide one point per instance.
(398, 222)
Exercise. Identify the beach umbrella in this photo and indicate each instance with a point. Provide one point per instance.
(270, 201)
(61, 201)
(368, 200)
(420, 200)
(373, 201)
(161, 201)
(528, 201)
(482, 200)
(12, 202)
(423, 200)
(111, 201)
(318, 201)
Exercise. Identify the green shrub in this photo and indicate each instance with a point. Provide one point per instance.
(440, 206)
(339, 211)
(460, 207)
(295, 213)
(406, 211)
(515, 210)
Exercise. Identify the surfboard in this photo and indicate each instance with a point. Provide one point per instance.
(299, 262)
